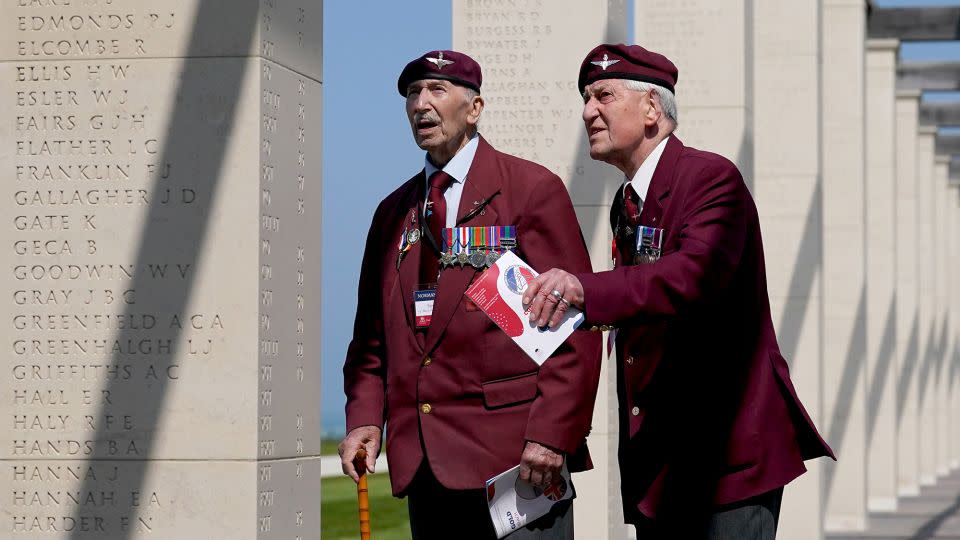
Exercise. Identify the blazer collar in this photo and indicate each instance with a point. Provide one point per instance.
(662, 183)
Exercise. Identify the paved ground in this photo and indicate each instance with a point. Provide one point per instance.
(934, 515)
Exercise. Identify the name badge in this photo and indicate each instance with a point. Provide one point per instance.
(423, 306)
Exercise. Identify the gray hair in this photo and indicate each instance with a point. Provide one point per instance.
(668, 102)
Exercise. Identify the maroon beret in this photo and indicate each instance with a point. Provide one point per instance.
(449, 65)
(627, 62)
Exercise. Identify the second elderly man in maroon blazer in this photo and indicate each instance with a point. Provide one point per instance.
(461, 401)
(711, 428)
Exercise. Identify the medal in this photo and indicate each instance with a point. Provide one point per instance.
(402, 248)
(649, 244)
(492, 258)
(463, 258)
(446, 259)
(413, 236)
(478, 259)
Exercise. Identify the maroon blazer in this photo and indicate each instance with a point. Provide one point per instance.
(708, 414)
(487, 396)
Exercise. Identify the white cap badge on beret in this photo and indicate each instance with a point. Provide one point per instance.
(605, 63)
(440, 62)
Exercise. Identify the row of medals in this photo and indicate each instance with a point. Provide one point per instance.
(479, 256)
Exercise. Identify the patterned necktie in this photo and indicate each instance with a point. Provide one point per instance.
(627, 240)
(632, 205)
(435, 219)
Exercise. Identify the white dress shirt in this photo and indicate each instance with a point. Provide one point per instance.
(457, 168)
(644, 175)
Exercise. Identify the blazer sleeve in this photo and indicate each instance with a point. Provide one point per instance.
(365, 370)
(713, 229)
(550, 237)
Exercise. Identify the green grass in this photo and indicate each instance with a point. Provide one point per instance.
(339, 516)
(328, 447)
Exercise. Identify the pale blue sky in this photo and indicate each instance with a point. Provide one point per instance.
(368, 149)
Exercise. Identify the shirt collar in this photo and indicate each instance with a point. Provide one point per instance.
(641, 180)
(459, 166)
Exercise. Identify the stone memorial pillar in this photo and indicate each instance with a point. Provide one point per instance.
(953, 382)
(714, 98)
(907, 321)
(940, 363)
(788, 191)
(844, 285)
(881, 256)
(926, 257)
(530, 52)
(161, 278)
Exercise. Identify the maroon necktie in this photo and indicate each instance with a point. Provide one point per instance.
(435, 219)
(631, 204)
(626, 235)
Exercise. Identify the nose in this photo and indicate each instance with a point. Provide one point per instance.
(422, 101)
(589, 111)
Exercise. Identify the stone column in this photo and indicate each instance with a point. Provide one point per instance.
(926, 244)
(881, 257)
(162, 274)
(907, 321)
(788, 192)
(844, 287)
(530, 53)
(715, 98)
(953, 383)
(940, 364)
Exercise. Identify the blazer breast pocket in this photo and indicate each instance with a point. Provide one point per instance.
(510, 391)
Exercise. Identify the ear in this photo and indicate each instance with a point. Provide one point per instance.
(653, 112)
(475, 108)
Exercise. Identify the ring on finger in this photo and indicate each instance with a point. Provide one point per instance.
(564, 300)
(557, 294)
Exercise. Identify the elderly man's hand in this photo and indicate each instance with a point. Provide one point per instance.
(367, 437)
(540, 465)
(550, 295)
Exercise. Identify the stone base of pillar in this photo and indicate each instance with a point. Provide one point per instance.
(882, 504)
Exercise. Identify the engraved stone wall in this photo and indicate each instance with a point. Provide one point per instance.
(162, 206)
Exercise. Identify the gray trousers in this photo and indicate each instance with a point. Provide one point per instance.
(438, 513)
(752, 519)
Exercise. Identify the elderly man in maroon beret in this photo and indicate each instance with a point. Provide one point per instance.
(461, 401)
(711, 428)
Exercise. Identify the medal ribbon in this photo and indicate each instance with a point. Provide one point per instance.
(458, 240)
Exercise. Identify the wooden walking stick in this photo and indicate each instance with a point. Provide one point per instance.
(363, 499)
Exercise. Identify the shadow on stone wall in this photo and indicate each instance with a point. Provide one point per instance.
(882, 369)
(175, 236)
(843, 403)
(805, 269)
(909, 368)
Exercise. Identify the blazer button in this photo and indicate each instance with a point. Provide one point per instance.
(427, 361)
(629, 360)
(426, 408)
(635, 411)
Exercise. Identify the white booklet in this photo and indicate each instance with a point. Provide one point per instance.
(499, 293)
(514, 503)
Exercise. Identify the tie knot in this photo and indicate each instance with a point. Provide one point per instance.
(440, 180)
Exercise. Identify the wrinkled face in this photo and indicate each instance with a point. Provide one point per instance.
(442, 115)
(613, 116)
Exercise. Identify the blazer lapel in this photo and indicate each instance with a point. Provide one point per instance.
(483, 182)
(661, 184)
(409, 270)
